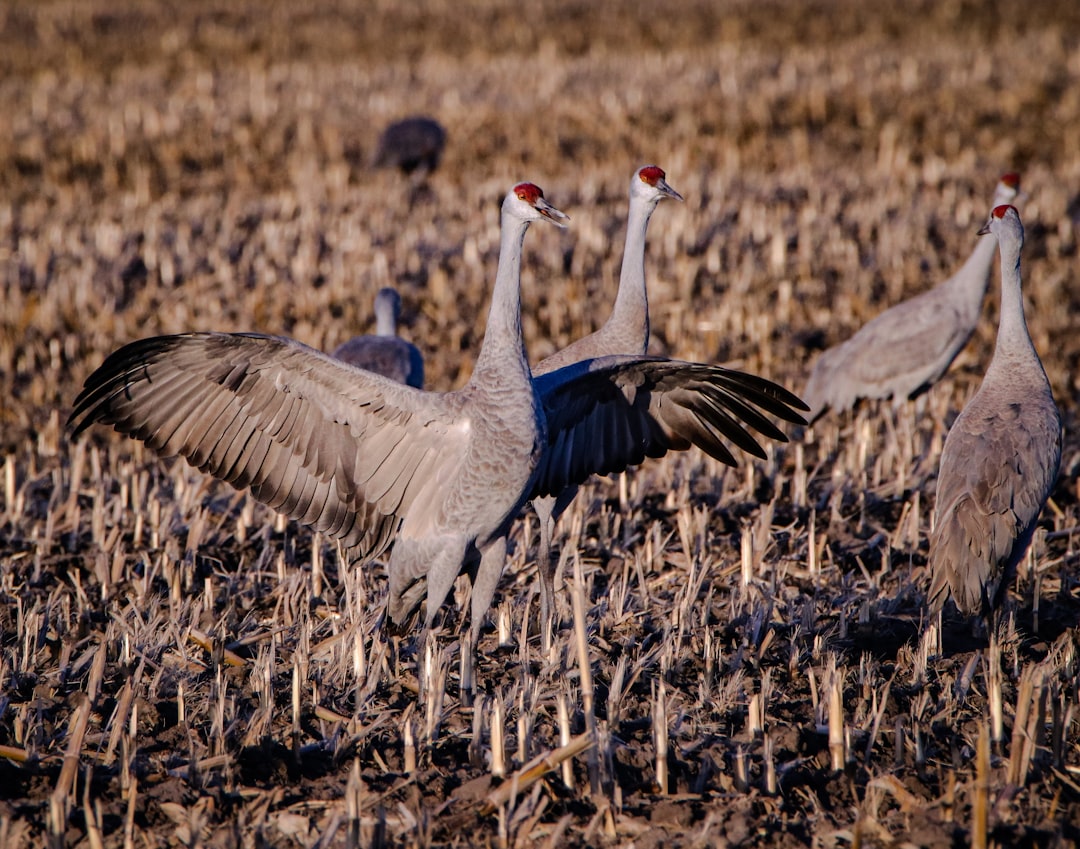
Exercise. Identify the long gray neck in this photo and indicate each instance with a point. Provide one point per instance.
(1013, 339)
(386, 316)
(971, 280)
(502, 355)
(631, 311)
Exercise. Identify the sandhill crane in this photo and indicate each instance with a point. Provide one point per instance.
(1001, 456)
(348, 452)
(413, 145)
(625, 332)
(371, 462)
(908, 347)
(385, 352)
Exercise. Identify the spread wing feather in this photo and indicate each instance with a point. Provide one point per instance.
(612, 412)
(343, 450)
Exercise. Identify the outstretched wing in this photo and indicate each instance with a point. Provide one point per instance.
(612, 412)
(340, 449)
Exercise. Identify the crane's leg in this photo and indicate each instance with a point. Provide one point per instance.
(548, 511)
(439, 559)
(488, 573)
(545, 571)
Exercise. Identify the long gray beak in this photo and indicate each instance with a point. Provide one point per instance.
(663, 186)
(551, 213)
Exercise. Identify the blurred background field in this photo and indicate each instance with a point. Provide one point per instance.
(167, 167)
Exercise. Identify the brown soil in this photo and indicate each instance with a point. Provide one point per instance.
(177, 668)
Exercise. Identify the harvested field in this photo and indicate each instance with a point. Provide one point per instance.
(179, 667)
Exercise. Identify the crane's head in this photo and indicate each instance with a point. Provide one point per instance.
(526, 201)
(1003, 215)
(1008, 188)
(650, 183)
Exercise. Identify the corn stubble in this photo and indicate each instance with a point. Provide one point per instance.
(742, 653)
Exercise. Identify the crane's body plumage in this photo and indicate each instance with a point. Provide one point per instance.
(625, 332)
(907, 348)
(384, 352)
(1000, 459)
(414, 145)
(441, 476)
(346, 451)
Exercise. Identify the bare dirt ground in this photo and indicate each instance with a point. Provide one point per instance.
(179, 668)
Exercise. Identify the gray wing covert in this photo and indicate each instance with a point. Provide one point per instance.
(917, 337)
